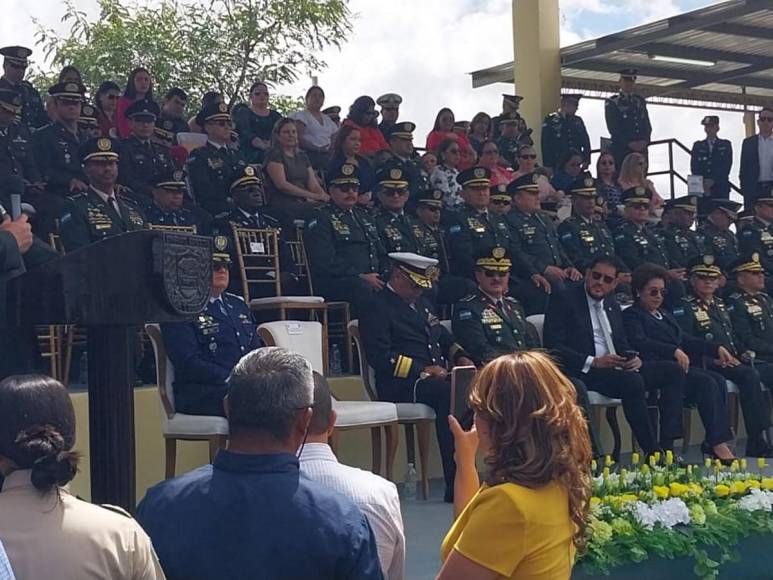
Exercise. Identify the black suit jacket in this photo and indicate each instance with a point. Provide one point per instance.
(658, 339)
(568, 330)
(750, 165)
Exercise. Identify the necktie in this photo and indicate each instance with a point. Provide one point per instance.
(221, 306)
(501, 305)
(604, 323)
(114, 204)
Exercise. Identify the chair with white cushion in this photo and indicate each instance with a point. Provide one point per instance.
(305, 338)
(179, 426)
(597, 400)
(408, 414)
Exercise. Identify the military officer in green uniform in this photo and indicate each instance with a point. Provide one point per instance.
(628, 121)
(758, 235)
(751, 309)
(501, 201)
(100, 211)
(473, 227)
(564, 130)
(540, 261)
(582, 236)
(33, 113)
(510, 106)
(346, 257)
(714, 234)
(395, 226)
(510, 140)
(680, 241)
(703, 315)
(403, 155)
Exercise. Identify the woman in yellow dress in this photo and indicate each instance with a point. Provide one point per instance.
(528, 518)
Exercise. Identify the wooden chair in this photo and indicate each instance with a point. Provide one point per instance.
(408, 414)
(179, 426)
(305, 338)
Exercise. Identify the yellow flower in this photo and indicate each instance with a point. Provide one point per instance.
(695, 488)
(734, 466)
(626, 497)
(721, 490)
(593, 465)
(707, 463)
(767, 483)
(606, 472)
(753, 483)
(595, 501)
(739, 487)
(669, 457)
(761, 463)
(657, 456)
(608, 461)
(744, 464)
(678, 489)
(634, 458)
(645, 469)
(661, 491)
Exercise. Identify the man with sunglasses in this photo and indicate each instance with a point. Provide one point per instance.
(703, 315)
(501, 202)
(714, 234)
(410, 351)
(346, 256)
(213, 167)
(537, 251)
(750, 308)
(680, 241)
(143, 163)
(404, 156)
(627, 119)
(167, 207)
(757, 159)
(564, 130)
(33, 113)
(757, 236)
(586, 332)
(395, 227)
(582, 236)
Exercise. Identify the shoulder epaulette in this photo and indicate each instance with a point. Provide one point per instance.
(236, 296)
(115, 509)
(468, 298)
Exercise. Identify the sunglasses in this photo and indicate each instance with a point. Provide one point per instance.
(347, 187)
(112, 97)
(653, 292)
(219, 267)
(640, 206)
(394, 192)
(17, 66)
(256, 93)
(492, 274)
(500, 202)
(528, 156)
(453, 150)
(597, 276)
(431, 208)
(706, 277)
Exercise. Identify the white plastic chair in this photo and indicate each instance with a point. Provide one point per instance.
(305, 338)
(179, 426)
(408, 414)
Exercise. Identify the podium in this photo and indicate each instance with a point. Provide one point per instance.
(112, 287)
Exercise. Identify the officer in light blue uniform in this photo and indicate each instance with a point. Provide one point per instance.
(205, 350)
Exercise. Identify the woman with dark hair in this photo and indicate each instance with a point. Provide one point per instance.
(362, 116)
(656, 334)
(254, 123)
(529, 517)
(490, 158)
(315, 129)
(290, 179)
(444, 129)
(443, 178)
(347, 149)
(46, 531)
(139, 86)
(568, 168)
(106, 101)
(480, 127)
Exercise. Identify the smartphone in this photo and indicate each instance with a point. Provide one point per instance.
(629, 354)
(461, 379)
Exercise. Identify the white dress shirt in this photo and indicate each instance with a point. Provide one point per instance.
(766, 158)
(375, 496)
(599, 341)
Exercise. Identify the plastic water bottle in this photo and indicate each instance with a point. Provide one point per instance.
(409, 486)
(335, 361)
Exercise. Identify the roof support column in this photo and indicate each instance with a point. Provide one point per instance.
(537, 62)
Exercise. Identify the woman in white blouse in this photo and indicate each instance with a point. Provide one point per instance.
(315, 129)
(443, 177)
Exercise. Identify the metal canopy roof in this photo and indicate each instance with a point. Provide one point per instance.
(716, 57)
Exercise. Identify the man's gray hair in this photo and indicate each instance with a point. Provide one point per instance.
(267, 388)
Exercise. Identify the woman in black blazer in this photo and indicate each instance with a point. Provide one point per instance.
(655, 333)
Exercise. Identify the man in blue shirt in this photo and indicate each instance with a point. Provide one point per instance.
(252, 514)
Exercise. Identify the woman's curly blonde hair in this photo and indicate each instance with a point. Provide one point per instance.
(538, 432)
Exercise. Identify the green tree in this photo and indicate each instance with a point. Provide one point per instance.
(222, 45)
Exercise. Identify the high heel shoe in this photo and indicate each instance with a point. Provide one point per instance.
(709, 452)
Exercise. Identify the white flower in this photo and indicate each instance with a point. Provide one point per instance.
(757, 500)
(666, 513)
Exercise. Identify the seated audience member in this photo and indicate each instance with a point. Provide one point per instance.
(633, 173)
(207, 99)
(606, 182)
(444, 129)
(527, 164)
(536, 248)
(292, 186)
(529, 518)
(490, 159)
(248, 197)
(757, 236)
(567, 170)
(480, 131)
(87, 122)
(139, 86)
(142, 162)
(489, 323)
(395, 227)
(205, 350)
(167, 208)
(346, 256)
(390, 111)
(253, 503)
(46, 531)
(375, 496)
(315, 129)
(346, 149)
(500, 202)
(444, 175)
(715, 235)
(409, 350)
(255, 123)
(675, 231)
(362, 116)
(585, 331)
(100, 211)
(213, 167)
(106, 101)
(656, 334)
(751, 309)
(582, 236)
(703, 315)
(172, 109)
(403, 155)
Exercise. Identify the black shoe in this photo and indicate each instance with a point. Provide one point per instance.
(758, 448)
